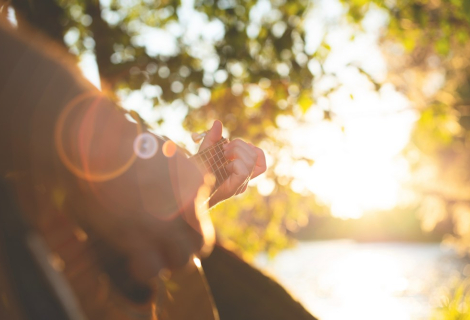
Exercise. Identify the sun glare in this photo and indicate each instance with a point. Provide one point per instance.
(357, 163)
(358, 166)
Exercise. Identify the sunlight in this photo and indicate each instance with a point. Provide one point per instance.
(89, 68)
(357, 170)
(366, 283)
(357, 162)
(11, 16)
(358, 166)
(343, 174)
(348, 280)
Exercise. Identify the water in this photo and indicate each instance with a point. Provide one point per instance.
(348, 280)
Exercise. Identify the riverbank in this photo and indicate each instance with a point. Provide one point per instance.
(389, 226)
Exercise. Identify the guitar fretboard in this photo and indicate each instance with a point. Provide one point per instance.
(213, 160)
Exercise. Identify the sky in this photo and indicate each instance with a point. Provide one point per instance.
(358, 164)
(358, 167)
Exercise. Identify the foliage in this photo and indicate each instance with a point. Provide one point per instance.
(253, 51)
(249, 68)
(396, 225)
(420, 25)
(455, 305)
(260, 229)
(432, 68)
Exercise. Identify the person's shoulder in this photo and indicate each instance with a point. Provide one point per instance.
(30, 40)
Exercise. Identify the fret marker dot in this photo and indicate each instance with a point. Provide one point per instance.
(169, 149)
(145, 145)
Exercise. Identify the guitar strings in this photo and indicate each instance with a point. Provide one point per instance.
(217, 166)
(75, 276)
(221, 141)
(221, 166)
(207, 155)
(93, 242)
(208, 149)
(212, 160)
(216, 162)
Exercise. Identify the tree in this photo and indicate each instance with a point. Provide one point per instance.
(433, 70)
(267, 53)
(253, 68)
(250, 66)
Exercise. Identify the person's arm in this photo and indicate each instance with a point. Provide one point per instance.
(69, 148)
(69, 139)
(246, 163)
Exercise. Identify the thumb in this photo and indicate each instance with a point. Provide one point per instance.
(212, 136)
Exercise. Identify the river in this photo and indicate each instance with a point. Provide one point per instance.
(368, 281)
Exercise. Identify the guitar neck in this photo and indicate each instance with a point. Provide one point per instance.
(212, 159)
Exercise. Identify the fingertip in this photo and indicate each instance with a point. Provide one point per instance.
(217, 125)
(216, 130)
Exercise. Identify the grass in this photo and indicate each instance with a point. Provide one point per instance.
(456, 304)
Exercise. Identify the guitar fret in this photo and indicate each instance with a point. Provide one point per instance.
(225, 162)
(220, 142)
(213, 160)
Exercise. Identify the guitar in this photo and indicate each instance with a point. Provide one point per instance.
(55, 268)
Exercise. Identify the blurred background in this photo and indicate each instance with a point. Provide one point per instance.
(363, 110)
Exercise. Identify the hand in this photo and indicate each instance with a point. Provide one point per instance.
(247, 162)
(151, 216)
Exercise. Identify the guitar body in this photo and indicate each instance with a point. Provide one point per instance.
(88, 193)
(51, 272)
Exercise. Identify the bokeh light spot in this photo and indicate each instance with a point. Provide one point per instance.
(169, 149)
(145, 145)
(56, 262)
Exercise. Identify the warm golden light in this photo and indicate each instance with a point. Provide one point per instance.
(358, 166)
(169, 149)
(145, 145)
(197, 262)
(76, 152)
(346, 280)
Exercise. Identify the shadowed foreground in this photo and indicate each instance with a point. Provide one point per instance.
(243, 292)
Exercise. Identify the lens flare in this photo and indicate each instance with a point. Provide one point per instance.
(78, 146)
(169, 149)
(145, 146)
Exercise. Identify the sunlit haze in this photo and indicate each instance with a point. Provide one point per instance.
(346, 280)
(350, 191)
(357, 163)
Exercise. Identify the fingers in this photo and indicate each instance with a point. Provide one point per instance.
(238, 169)
(242, 152)
(260, 166)
(253, 157)
(212, 136)
(247, 162)
(239, 176)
